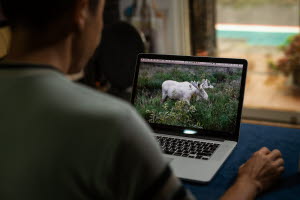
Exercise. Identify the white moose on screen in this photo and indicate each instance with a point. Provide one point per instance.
(184, 91)
(206, 84)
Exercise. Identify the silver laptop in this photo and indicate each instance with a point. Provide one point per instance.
(194, 106)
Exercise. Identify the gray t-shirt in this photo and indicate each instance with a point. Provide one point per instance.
(61, 140)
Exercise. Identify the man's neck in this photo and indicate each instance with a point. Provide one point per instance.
(26, 49)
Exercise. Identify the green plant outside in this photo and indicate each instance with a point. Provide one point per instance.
(288, 41)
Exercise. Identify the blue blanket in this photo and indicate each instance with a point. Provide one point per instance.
(252, 138)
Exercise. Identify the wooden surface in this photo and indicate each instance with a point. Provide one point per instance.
(265, 123)
(4, 41)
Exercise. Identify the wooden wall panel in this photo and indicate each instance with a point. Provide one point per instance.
(203, 21)
(4, 41)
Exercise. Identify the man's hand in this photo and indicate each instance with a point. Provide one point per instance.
(258, 174)
(263, 168)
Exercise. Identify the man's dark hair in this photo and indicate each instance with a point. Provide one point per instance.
(38, 13)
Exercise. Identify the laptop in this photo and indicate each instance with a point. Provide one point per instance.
(194, 106)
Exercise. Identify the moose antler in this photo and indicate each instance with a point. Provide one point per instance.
(195, 84)
(201, 86)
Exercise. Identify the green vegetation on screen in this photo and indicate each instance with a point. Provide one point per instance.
(218, 113)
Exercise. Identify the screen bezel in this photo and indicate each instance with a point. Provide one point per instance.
(174, 130)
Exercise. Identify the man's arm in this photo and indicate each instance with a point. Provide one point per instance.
(258, 174)
(167, 187)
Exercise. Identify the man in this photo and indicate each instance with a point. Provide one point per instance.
(59, 140)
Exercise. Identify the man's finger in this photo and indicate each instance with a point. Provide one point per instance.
(242, 165)
(281, 169)
(279, 162)
(275, 154)
(264, 150)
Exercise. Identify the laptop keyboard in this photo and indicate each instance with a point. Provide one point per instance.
(187, 148)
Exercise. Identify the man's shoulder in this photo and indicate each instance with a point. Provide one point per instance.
(52, 93)
(79, 98)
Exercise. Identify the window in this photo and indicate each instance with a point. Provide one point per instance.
(258, 30)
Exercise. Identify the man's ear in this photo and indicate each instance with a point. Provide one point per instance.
(81, 12)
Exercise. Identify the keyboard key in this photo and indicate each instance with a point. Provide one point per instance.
(187, 148)
(168, 152)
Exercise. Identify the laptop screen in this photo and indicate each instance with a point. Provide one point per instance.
(189, 94)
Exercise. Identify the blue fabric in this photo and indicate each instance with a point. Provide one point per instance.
(252, 138)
